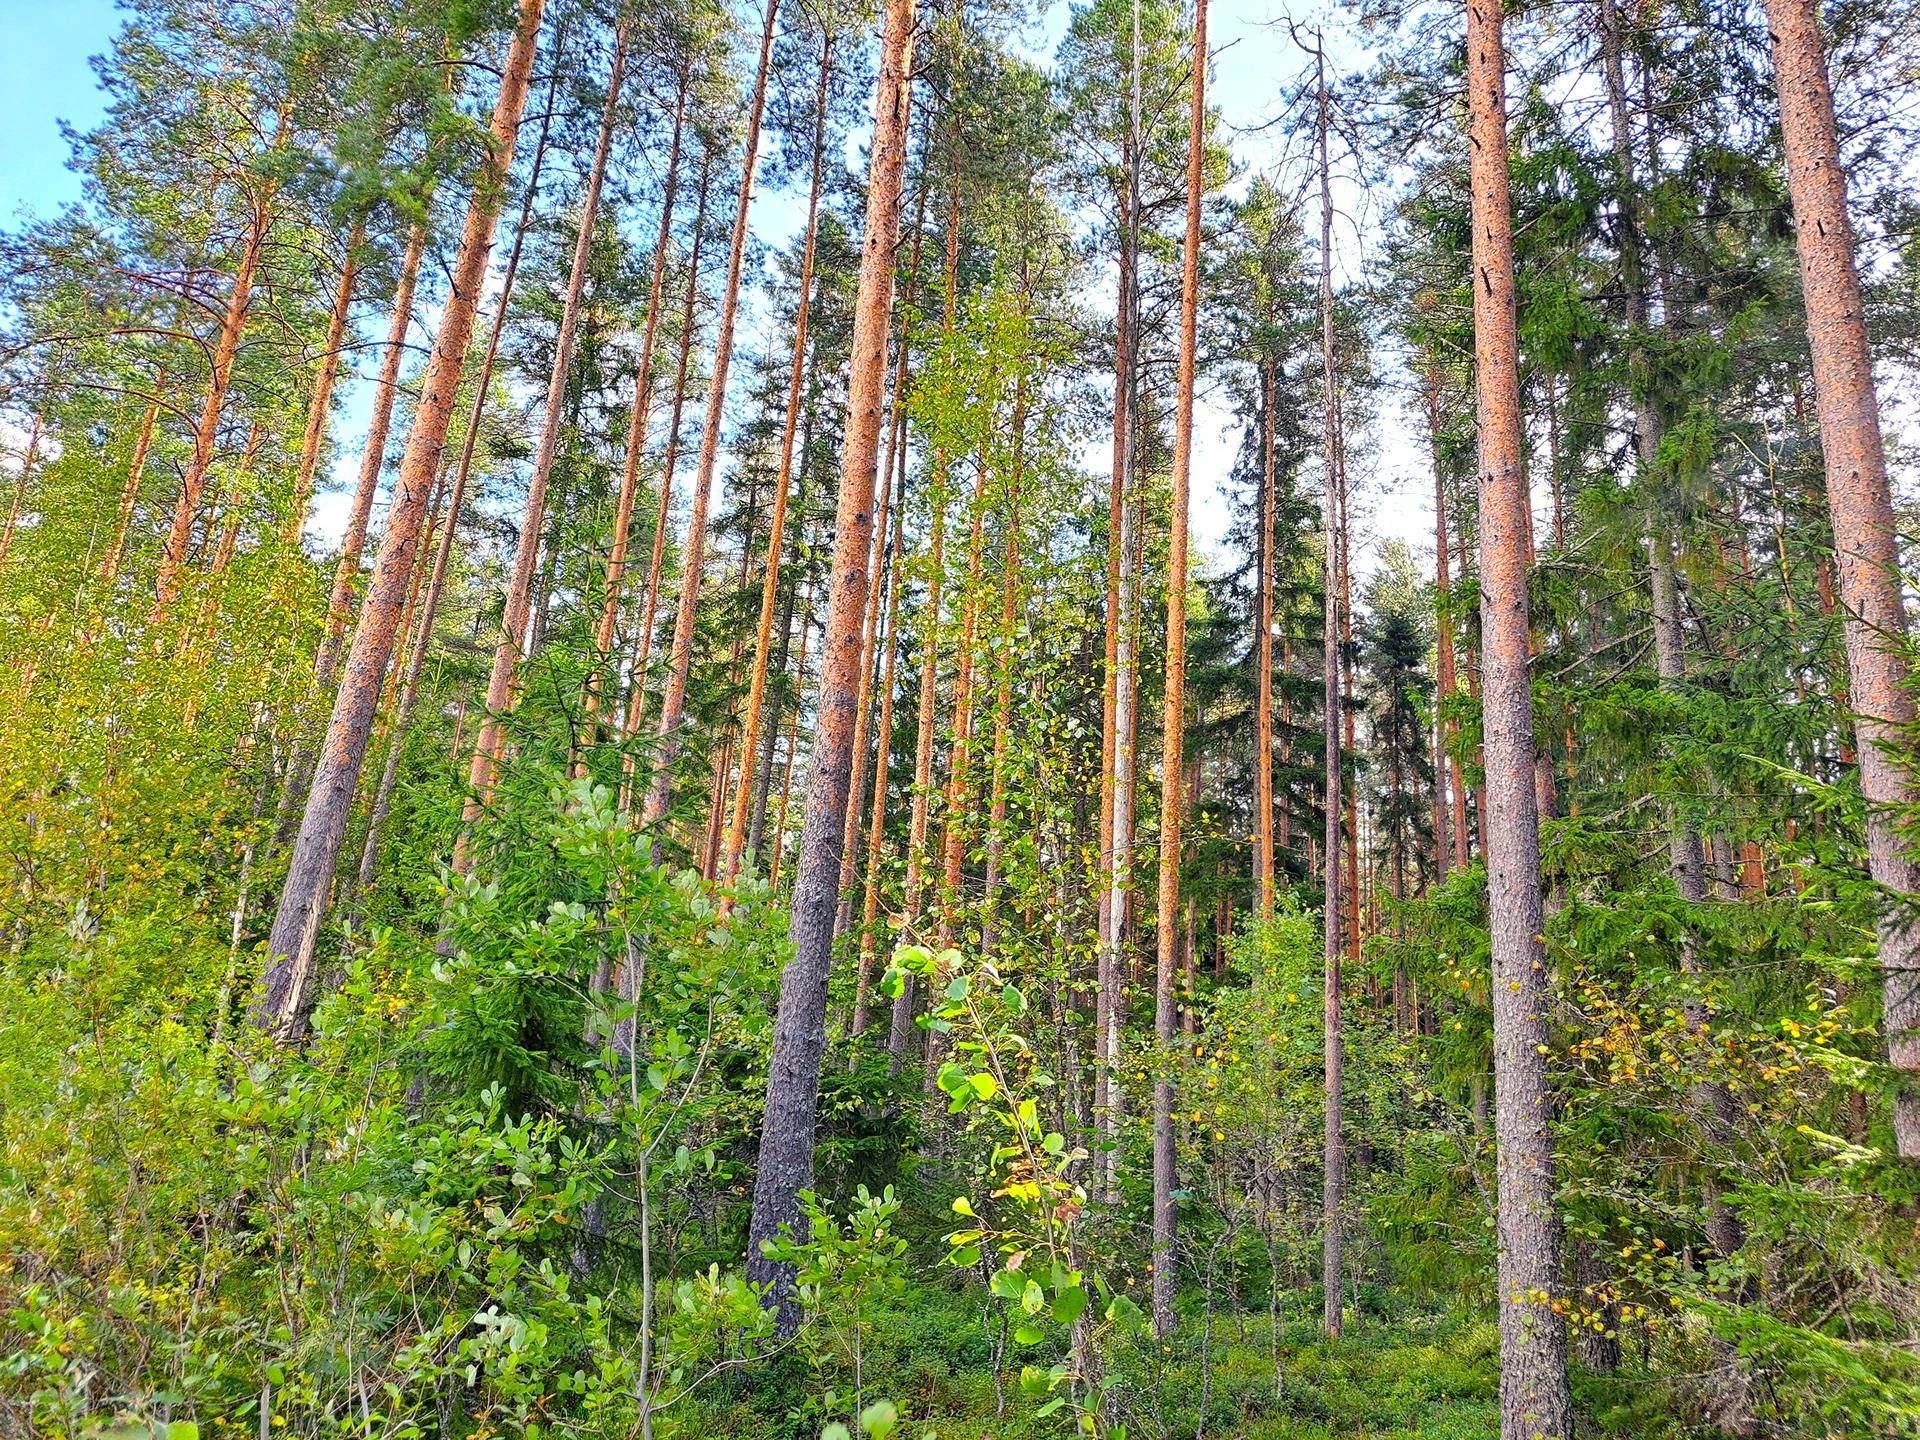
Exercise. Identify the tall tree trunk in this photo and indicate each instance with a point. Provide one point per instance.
(491, 744)
(372, 458)
(226, 348)
(1535, 1403)
(1003, 681)
(903, 1004)
(1166, 1269)
(785, 1165)
(1861, 507)
(116, 555)
(876, 825)
(650, 604)
(1334, 1170)
(1263, 662)
(680, 655)
(320, 406)
(637, 424)
(1447, 762)
(456, 501)
(12, 524)
(870, 663)
(282, 1009)
(777, 523)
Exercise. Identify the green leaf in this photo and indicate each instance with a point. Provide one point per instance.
(1029, 1335)
(985, 1086)
(880, 1419)
(1068, 1304)
(1033, 1299)
(963, 1206)
(836, 1431)
(183, 1430)
(1008, 1284)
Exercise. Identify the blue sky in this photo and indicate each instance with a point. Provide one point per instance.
(46, 77)
(46, 74)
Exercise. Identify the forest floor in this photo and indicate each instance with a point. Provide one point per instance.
(1431, 1375)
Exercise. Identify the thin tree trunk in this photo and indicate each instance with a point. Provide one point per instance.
(282, 1009)
(1334, 1173)
(1263, 704)
(116, 554)
(372, 458)
(226, 348)
(1447, 679)
(491, 744)
(1173, 712)
(680, 655)
(1003, 684)
(777, 524)
(1860, 503)
(12, 523)
(903, 1005)
(636, 428)
(650, 606)
(456, 501)
(1535, 1403)
(785, 1164)
(320, 407)
(877, 824)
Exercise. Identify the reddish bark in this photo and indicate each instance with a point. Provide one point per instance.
(785, 1163)
(1861, 507)
(1535, 1403)
(282, 1008)
(680, 654)
(490, 746)
(1173, 710)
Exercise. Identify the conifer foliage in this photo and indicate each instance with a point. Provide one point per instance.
(829, 717)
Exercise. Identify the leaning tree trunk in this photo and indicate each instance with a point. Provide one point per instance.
(282, 1008)
(226, 348)
(320, 406)
(443, 553)
(785, 1165)
(1861, 506)
(1166, 1269)
(1535, 1403)
(680, 655)
(373, 455)
(491, 744)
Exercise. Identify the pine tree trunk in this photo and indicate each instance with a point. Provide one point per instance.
(372, 458)
(877, 824)
(320, 407)
(776, 525)
(116, 555)
(1263, 703)
(456, 501)
(1334, 1169)
(785, 1164)
(282, 1009)
(1166, 1270)
(870, 664)
(1535, 1403)
(680, 655)
(650, 605)
(226, 348)
(903, 1005)
(636, 429)
(12, 523)
(490, 746)
(1861, 507)
(1003, 683)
